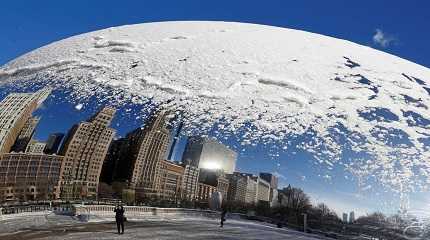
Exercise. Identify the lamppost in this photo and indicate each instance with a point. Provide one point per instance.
(305, 222)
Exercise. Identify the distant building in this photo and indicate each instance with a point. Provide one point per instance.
(35, 147)
(117, 166)
(223, 186)
(190, 182)
(25, 176)
(237, 187)
(53, 143)
(176, 137)
(215, 178)
(210, 154)
(352, 217)
(84, 150)
(273, 181)
(170, 180)
(15, 110)
(204, 192)
(25, 135)
(263, 190)
(148, 147)
(251, 190)
(345, 217)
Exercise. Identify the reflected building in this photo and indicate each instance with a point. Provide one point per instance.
(53, 143)
(25, 135)
(190, 182)
(345, 217)
(170, 180)
(35, 147)
(84, 151)
(15, 111)
(352, 217)
(29, 176)
(208, 153)
(144, 149)
(273, 182)
(237, 188)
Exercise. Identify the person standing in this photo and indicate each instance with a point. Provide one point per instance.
(223, 214)
(119, 218)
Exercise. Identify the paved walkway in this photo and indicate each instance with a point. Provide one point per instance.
(190, 229)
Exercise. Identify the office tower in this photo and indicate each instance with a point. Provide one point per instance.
(176, 136)
(209, 154)
(273, 181)
(53, 143)
(35, 147)
(237, 187)
(263, 190)
(170, 180)
(15, 110)
(204, 192)
(84, 150)
(117, 166)
(25, 135)
(148, 146)
(352, 217)
(251, 190)
(28, 176)
(345, 217)
(190, 182)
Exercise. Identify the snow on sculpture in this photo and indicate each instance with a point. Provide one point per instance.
(266, 83)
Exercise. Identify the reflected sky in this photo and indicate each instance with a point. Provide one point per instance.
(334, 185)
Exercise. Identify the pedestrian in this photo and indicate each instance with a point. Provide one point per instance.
(223, 213)
(119, 218)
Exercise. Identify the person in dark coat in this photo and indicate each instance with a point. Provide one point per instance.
(223, 213)
(119, 218)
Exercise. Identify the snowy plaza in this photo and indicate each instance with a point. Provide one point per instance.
(47, 225)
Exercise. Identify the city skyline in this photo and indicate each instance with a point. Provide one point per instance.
(91, 109)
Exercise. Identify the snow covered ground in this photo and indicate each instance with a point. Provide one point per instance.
(50, 226)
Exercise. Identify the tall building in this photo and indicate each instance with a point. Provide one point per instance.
(251, 190)
(35, 147)
(237, 187)
(117, 165)
(53, 143)
(190, 182)
(223, 186)
(263, 190)
(273, 181)
(345, 217)
(170, 180)
(15, 110)
(352, 217)
(209, 154)
(25, 176)
(176, 137)
(25, 135)
(148, 147)
(84, 150)
(204, 192)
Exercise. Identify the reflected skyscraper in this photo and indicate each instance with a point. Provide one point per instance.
(84, 150)
(53, 143)
(15, 110)
(210, 154)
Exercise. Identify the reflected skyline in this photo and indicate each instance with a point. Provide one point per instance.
(341, 192)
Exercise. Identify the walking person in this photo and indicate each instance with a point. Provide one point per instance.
(223, 214)
(119, 218)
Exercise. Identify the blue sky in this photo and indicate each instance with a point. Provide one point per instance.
(397, 27)
(28, 24)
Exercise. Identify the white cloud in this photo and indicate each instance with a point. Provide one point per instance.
(280, 176)
(382, 39)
